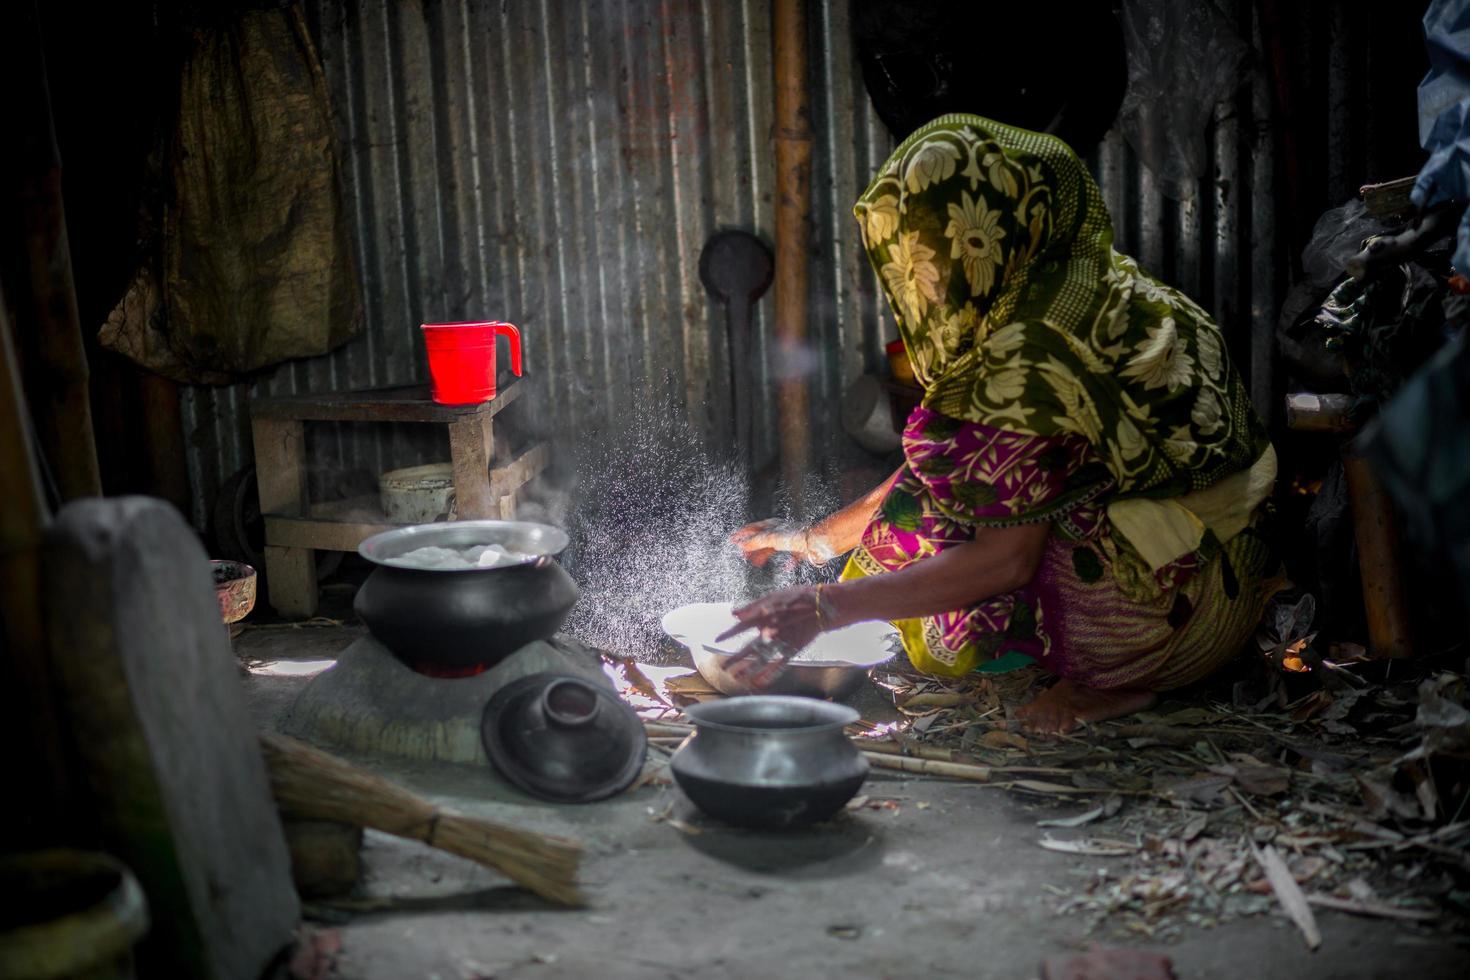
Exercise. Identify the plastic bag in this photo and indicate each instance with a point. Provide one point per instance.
(1338, 235)
(1183, 59)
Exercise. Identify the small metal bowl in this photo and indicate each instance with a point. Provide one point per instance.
(234, 587)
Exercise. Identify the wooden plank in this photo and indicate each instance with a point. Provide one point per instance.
(290, 580)
(280, 465)
(1389, 199)
(507, 479)
(298, 533)
(400, 404)
(470, 449)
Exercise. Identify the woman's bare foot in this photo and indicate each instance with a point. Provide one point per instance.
(1066, 704)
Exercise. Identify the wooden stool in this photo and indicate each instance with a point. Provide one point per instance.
(1374, 524)
(295, 527)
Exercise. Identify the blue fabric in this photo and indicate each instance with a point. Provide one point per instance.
(1444, 116)
(1447, 39)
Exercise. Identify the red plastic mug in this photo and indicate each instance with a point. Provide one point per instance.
(462, 359)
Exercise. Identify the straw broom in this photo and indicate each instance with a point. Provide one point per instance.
(310, 783)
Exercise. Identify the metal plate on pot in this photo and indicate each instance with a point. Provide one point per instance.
(525, 537)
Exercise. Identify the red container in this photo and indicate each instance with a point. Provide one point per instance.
(462, 359)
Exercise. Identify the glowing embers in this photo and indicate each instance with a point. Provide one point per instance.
(1292, 657)
(443, 671)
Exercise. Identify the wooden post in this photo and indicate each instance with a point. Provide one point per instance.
(471, 446)
(280, 470)
(33, 246)
(1373, 522)
(793, 236)
(1378, 559)
(168, 468)
(29, 722)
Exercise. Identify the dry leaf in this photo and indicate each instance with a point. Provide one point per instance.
(1073, 821)
(936, 699)
(1184, 716)
(1374, 909)
(1258, 780)
(1383, 799)
(1288, 894)
(1204, 790)
(998, 739)
(1039, 786)
(639, 681)
(1194, 828)
(1088, 846)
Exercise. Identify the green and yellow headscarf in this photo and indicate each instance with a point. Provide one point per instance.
(996, 252)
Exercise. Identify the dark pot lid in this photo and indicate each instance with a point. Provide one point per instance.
(562, 738)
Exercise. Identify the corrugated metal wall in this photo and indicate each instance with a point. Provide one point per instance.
(560, 163)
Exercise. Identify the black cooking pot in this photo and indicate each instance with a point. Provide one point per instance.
(449, 620)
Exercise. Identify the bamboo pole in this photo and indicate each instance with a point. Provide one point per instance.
(793, 137)
(929, 767)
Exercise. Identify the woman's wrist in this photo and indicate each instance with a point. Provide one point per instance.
(834, 605)
(815, 547)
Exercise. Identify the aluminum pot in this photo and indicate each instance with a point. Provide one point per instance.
(458, 619)
(418, 494)
(769, 761)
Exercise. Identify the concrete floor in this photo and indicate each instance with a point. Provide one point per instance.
(950, 883)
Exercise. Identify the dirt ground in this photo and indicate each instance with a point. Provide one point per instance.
(930, 877)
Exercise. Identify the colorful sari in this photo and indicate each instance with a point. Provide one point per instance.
(1062, 385)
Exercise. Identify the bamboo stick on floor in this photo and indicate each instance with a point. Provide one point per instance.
(930, 767)
(308, 782)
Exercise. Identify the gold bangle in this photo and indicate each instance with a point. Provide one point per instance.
(821, 618)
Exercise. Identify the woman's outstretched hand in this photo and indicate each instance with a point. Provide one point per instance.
(788, 616)
(786, 621)
(763, 540)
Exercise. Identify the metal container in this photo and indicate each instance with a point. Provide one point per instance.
(234, 587)
(457, 619)
(69, 914)
(769, 761)
(418, 494)
(834, 667)
(800, 678)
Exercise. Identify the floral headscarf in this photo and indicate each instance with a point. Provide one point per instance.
(995, 249)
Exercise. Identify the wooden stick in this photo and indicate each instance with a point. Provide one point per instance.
(659, 729)
(1374, 909)
(930, 767)
(1288, 893)
(914, 749)
(310, 783)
